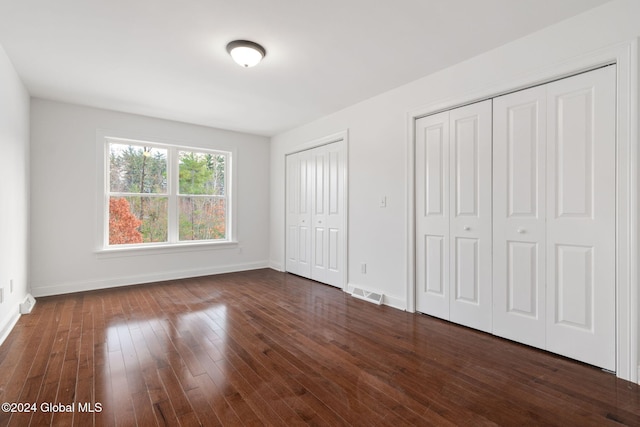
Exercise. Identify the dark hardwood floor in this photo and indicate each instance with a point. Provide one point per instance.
(267, 348)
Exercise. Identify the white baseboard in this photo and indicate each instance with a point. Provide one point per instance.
(276, 266)
(12, 319)
(393, 302)
(43, 290)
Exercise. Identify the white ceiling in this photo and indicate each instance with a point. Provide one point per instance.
(167, 58)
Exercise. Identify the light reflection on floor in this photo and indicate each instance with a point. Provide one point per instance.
(136, 353)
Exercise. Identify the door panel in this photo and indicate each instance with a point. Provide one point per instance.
(470, 224)
(319, 249)
(581, 158)
(436, 273)
(432, 215)
(336, 184)
(304, 187)
(574, 286)
(574, 147)
(466, 179)
(519, 158)
(334, 243)
(466, 270)
(523, 152)
(522, 279)
(303, 247)
(434, 161)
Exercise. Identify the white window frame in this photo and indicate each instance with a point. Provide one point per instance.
(173, 243)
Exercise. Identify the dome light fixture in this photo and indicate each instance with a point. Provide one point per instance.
(246, 53)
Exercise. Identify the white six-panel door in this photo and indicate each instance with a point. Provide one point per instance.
(519, 211)
(581, 173)
(316, 217)
(453, 218)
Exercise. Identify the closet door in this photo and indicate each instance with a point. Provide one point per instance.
(470, 215)
(453, 215)
(581, 156)
(432, 215)
(298, 220)
(327, 221)
(519, 210)
(316, 213)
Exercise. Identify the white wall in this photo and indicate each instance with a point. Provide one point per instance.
(14, 192)
(65, 194)
(378, 132)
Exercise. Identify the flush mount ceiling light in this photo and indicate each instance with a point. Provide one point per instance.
(246, 53)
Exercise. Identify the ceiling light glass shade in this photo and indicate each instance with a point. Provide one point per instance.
(246, 53)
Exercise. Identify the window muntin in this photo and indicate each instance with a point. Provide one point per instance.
(159, 194)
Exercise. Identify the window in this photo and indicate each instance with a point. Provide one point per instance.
(159, 194)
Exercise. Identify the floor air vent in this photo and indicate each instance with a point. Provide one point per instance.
(367, 295)
(27, 305)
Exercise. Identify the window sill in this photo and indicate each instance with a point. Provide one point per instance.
(158, 249)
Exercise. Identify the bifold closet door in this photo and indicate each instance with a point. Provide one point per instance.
(554, 217)
(581, 188)
(316, 217)
(453, 215)
(519, 211)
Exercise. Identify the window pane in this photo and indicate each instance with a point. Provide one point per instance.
(202, 218)
(137, 220)
(137, 169)
(202, 173)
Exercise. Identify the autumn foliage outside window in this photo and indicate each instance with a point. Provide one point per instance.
(123, 225)
(148, 205)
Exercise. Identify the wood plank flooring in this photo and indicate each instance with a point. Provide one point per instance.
(268, 348)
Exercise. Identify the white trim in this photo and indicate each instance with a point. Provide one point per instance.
(162, 248)
(14, 316)
(66, 288)
(625, 55)
(336, 137)
(276, 266)
(397, 303)
(411, 207)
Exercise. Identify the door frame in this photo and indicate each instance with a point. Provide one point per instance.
(329, 139)
(625, 56)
